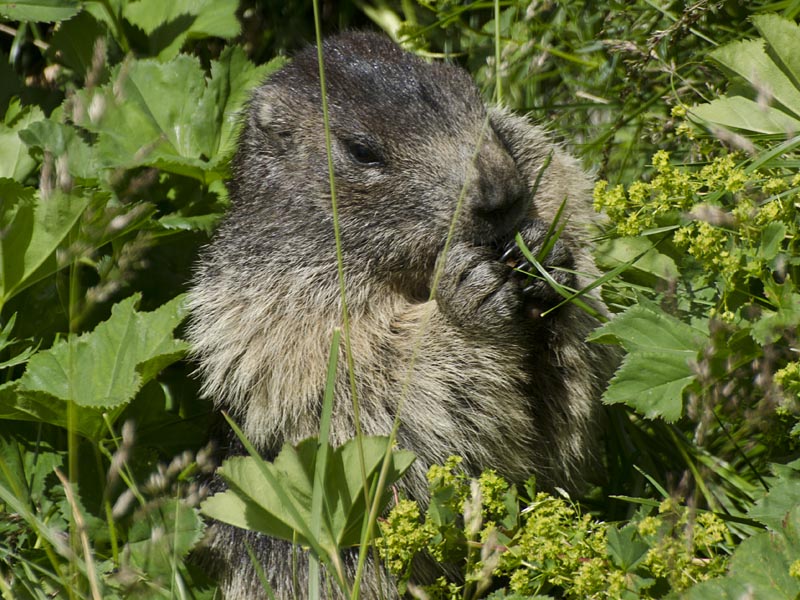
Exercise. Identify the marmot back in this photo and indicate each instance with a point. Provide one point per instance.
(493, 381)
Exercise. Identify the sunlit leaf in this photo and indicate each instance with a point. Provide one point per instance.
(658, 366)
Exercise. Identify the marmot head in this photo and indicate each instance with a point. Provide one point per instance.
(408, 139)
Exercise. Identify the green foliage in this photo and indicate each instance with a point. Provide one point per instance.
(274, 498)
(543, 544)
(657, 367)
(119, 120)
(771, 67)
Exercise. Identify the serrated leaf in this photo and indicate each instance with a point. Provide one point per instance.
(233, 77)
(657, 368)
(182, 20)
(771, 240)
(62, 140)
(760, 567)
(652, 383)
(783, 39)
(140, 120)
(162, 533)
(749, 59)
(44, 11)
(786, 314)
(615, 252)
(253, 503)
(625, 547)
(783, 495)
(34, 228)
(73, 43)
(15, 162)
(105, 368)
(98, 371)
(740, 113)
(23, 470)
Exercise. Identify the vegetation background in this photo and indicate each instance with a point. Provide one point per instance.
(119, 121)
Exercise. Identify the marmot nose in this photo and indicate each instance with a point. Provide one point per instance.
(498, 194)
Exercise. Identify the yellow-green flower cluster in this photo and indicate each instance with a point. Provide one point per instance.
(671, 558)
(553, 547)
(720, 213)
(403, 536)
(558, 547)
(493, 493)
(637, 209)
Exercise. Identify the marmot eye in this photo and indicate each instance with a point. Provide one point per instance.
(364, 154)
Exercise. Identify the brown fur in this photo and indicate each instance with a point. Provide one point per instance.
(490, 382)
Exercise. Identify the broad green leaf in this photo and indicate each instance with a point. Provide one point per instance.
(741, 113)
(15, 162)
(625, 547)
(45, 11)
(749, 59)
(161, 533)
(252, 503)
(771, 240)
(105, 368)
(652, 383)
(24, 468)
(98, 371)
(613, 253)
(60, 139)
(783, 495)
(140, 120)
(233, 77)
(783, 39)
(73, 43)
(170, 24)
(35, 229)
(657, 368)
(786, 314)
(760, 567)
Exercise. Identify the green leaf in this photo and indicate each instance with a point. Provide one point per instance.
(161, 533)
(772, 236)
(783, 495)
(35, 229)
(62, 140)
(749, 60)
(15, 162)
(97, 371)
(44, 11)
(6, 341)
(73, 43)
(252, 503)
(23, 468)
(786, 301)
(651, 263)
(783, 39)
(625, 547)
(141, 120)
(170, 24)
(760, 567)
(657, 369)
(741, 113)
(105, 368)
(233, 77)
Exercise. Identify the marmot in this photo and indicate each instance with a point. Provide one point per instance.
(492, 381)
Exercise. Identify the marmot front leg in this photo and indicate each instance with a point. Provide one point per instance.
(478, 292)
(485, 288)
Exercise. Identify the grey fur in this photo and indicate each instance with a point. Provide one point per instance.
(491, 381)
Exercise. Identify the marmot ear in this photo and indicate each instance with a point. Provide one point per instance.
(267, 116)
